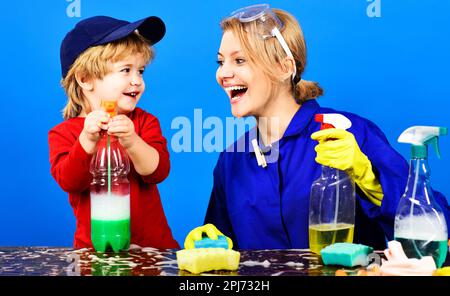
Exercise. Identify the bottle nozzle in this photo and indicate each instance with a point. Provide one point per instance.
(333, 120)
(110, 107)
(420, 137)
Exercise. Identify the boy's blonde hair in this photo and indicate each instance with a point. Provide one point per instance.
(94, 63)
(267, 54)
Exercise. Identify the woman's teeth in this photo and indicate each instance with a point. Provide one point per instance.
(236, 91)
(235, 87)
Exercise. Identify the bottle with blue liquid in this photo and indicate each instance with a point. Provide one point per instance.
(419, 222)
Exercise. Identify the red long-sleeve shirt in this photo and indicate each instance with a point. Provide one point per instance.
(70, 168)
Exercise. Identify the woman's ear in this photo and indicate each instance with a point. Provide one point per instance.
(84, 82)
(287, 68)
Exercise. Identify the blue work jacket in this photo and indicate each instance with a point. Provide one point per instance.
(268, 208)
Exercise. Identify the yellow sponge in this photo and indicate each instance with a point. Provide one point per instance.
(444, 271)
(206, 259)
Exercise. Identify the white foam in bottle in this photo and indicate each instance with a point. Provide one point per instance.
(110, 207)
(421, 227)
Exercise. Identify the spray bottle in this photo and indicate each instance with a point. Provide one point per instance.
(332, 200)
(419, 221)
(110, 192)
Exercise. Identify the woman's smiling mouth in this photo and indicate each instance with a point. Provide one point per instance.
(235, 92)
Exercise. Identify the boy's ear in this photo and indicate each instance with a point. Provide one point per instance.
(84, 81)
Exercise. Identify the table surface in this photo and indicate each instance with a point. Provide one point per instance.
(60, 261)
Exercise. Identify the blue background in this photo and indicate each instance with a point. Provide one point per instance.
(393, 70)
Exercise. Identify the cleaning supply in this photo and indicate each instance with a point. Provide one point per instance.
(206, 242)
(343, 153)
(206, 249)
(444, 271)
(419, 221)
(332, 199)
(346, 254)
(110, 192)
(207, 236)
(398, 264)
(207, 259)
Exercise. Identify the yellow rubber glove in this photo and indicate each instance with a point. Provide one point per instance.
(338, 148)
(197, 233)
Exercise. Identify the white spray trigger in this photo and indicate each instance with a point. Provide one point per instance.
(419, 135)
(338, 121)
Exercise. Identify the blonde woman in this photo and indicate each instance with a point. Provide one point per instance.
(262, 201)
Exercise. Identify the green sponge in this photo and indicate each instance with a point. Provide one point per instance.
(206, 259)
(346, 254)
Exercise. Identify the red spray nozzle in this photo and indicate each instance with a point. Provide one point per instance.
(319, 118)
(333, 120)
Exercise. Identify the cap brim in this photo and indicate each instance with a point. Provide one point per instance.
(151, 28)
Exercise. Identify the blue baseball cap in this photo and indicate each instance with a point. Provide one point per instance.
(99, 30)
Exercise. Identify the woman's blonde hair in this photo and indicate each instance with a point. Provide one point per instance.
(266, 54)
(94, 63)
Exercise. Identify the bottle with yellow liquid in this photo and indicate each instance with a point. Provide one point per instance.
(332, 200)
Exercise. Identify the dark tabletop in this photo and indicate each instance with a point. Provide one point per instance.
(149, 261)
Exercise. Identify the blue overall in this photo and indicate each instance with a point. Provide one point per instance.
(267, 208)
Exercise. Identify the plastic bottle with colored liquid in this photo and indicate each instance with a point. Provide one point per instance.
(110, 193)
(332, 200)
(419, 221)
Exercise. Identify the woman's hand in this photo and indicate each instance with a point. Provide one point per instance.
(338, 149)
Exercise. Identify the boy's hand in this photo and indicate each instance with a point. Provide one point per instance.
(95, 122)
(123, 128)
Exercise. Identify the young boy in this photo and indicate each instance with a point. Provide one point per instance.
(104, 58)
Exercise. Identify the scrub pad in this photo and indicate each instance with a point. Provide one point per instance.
(220, 242)
(444, 271)
(345, 254)
(207, 259)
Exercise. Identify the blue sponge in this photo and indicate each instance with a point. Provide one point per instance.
(220, 242)
(346, 254)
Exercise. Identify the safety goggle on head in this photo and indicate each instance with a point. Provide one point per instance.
(267, 24)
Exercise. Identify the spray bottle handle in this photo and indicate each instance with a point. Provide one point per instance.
(443, 131)
(435, 143)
